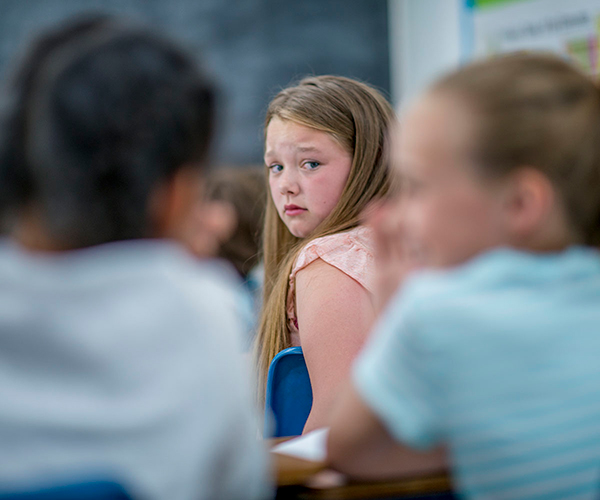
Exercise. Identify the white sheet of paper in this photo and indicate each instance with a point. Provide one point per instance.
(311, 446)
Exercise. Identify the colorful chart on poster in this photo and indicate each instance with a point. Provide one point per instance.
(569, 27)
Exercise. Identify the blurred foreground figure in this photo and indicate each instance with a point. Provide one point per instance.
(118, 350)
(486, 358)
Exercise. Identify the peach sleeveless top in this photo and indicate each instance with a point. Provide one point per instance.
(351, 252)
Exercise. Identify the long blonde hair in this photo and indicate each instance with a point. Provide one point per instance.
(357, 116)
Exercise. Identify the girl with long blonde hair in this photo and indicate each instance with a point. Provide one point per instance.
(324, 151)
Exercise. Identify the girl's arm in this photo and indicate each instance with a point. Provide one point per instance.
(359, 445)
(334, 313)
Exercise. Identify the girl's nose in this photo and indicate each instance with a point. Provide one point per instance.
(288, 183)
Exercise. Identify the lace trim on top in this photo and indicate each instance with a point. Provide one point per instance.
(351, 252)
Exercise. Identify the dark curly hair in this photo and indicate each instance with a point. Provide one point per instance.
(99, 113)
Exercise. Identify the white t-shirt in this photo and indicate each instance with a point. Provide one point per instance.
(121, 361)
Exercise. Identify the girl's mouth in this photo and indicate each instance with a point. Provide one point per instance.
(293, 210)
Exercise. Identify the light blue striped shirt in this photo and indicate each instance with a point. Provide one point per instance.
(500, 360)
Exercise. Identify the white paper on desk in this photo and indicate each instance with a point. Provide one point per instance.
(311, 446)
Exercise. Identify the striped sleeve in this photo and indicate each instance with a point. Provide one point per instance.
(396, 377)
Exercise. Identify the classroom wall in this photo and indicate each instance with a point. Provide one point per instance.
(252, 47)
(425, 41)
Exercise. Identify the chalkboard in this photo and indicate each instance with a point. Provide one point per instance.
(253, 48)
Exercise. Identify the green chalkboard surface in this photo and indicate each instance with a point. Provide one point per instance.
(252, 47)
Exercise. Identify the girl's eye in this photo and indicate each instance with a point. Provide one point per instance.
(275, 168)
(311, 165)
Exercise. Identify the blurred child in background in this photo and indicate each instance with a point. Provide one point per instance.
(231, 212)
(493, 353)
(243, 189)
(118, 349)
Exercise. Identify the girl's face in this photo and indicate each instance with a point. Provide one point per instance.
(308, 170)
(445, 212)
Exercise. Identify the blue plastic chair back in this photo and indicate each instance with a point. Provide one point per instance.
(89, 490)
(289, 394)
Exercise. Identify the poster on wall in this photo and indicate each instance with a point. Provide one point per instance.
(568, 27)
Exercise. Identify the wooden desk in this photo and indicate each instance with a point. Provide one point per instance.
(296, 479)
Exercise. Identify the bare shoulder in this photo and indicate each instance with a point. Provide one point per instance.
(334, 314)
(328, 298)
(322, 278)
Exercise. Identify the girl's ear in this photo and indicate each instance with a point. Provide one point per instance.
(530, 203)
(172, 203)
